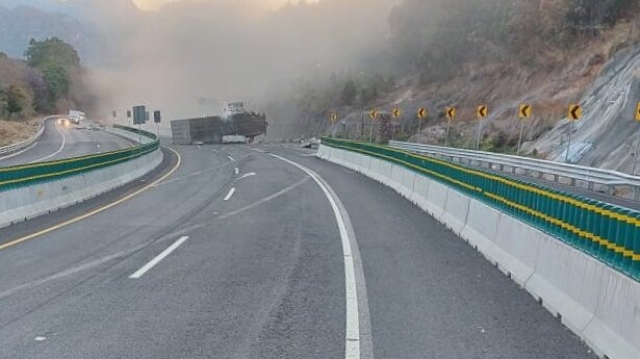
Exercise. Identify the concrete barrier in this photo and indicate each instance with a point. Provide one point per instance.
(595, 301)
(456, 210)
(615, 330)
(481, 227)
(516, 248)
(420, 194)
(26, 203)
(437, 199)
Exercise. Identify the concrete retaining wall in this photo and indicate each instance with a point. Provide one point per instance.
(596, 302)
(25, 203)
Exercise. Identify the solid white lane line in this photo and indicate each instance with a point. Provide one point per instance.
(140, 272)
(231, 159)
(258, 150)
(64, 142)
(265, 200)
(19, 152)
(237, 171)
(230, 194)
(355, 287)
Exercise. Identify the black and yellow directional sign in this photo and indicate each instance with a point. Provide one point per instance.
(397, 113)
(451, 113)
(525, 111)
(373, 114)
(334, 117)
(483, 111)
(575, 112)
(422, 112)
(638, 112)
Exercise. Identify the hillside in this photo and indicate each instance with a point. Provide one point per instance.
(500, 53)
(14, 132)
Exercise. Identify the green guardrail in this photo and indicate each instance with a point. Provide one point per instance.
(604, 231)
(29, 174)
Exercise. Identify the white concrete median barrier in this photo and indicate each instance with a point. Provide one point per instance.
(481, 227)
(595, 301)
(29, 202)
(515, 248)
(455, 211)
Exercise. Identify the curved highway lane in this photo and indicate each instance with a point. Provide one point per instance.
(267, 253)
(60, 142)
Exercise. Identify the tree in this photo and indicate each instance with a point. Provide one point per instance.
(58, 80)
(53, 50)
(16, 100)
(40, 88)
(349, 93)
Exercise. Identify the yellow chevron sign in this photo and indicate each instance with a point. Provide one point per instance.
(422, 112)
(575, 112)
(373, 114)
(451, 113)
(483, 111)
(525, 111)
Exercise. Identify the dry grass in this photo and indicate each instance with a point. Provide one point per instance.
(13, 132)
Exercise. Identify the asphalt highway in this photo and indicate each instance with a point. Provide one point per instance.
(60, 142)
(259, 252)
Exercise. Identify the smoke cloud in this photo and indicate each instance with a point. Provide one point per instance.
(220, 51)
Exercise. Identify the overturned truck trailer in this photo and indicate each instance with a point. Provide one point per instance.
(212, 130)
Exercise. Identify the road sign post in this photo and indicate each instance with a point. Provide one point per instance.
(139, 117)
(422, 113)
(483, 111)
(525, 112)
(575, 114)
(334, 118)
(451, 114)
(157, 118)
(372, 115)
(635, 155)
(397, 114)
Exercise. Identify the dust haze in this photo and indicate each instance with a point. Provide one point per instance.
(221, 51)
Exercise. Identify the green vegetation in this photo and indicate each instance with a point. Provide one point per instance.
(41, 84)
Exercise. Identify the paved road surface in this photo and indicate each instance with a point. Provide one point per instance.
(240, 254)
(59, 142)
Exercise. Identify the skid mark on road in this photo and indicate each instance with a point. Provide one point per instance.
(265, 200)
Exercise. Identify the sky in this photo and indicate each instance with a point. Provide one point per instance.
(155, 4)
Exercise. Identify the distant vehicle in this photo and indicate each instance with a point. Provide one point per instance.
(233, 126)
(76, 116)
(64, 122)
